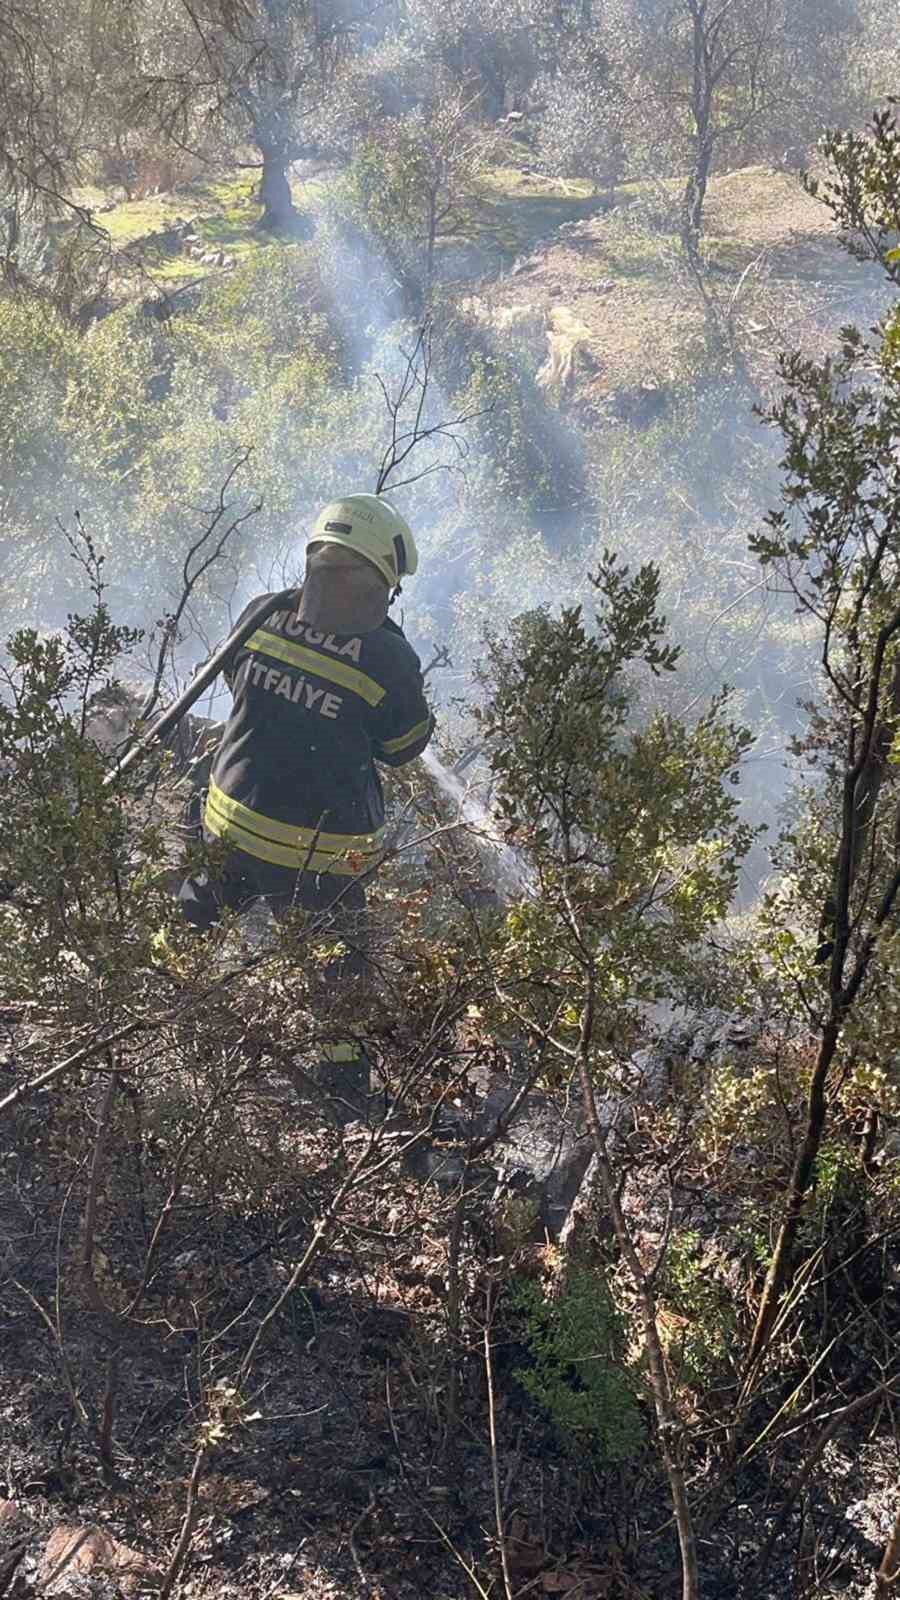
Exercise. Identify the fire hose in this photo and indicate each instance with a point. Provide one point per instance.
(207, 674)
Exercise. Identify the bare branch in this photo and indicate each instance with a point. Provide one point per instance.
(191, 575)
(415, 380)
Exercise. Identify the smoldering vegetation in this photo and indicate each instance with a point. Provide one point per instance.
(592, 1289)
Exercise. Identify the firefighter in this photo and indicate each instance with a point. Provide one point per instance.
(321, 692)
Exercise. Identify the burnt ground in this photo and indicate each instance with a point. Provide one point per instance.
(341, 1478)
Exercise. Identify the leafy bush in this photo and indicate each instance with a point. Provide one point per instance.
(577, 1346)
(704, 1305)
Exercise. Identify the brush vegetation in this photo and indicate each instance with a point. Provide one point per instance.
(273, 1351)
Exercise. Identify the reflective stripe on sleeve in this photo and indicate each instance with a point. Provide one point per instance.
(393, 746)
(299, 655)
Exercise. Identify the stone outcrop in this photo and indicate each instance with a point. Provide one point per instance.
(532, 1166)
(568, 351)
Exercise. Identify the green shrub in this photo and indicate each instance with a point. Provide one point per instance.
(696, 1295)
(578, 1376)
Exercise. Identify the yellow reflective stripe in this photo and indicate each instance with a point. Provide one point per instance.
(298, 655)
(393, 745)
(289, 833)
(278, 855)
(341, 1052)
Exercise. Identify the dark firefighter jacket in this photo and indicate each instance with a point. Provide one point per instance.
(294, 781)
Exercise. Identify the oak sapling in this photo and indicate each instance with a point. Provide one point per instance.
(834, 544)
(632, 830)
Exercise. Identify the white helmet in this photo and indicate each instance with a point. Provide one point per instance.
(371, 527)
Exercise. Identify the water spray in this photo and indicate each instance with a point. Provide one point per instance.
(513, 878)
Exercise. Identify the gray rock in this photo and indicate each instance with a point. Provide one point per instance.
(533, 1171)
(543, 1156)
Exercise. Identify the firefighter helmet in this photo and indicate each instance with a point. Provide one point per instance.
(369, 525)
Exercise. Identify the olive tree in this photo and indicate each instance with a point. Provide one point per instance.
(580, 132)
(251, 72)
(729, 77)
(411, 180)
(490, 46)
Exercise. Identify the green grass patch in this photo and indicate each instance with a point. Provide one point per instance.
(234, 195)
(226, 232)
(90, 196)
(632, 253)
(512, 217)
(308, 193)
(224, 208)
(512, 210)
(140, 219)
(513, 184)
(224, 212)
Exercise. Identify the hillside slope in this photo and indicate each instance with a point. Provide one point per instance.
(612, 298)
(598, 299)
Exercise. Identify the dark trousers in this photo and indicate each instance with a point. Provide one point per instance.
(242, 881)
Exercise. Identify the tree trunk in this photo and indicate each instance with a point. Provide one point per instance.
(801, 1177)
(702, 87)
(430, 244)
(862, 784)
(275, 196)
(695, 197)
(495, 84)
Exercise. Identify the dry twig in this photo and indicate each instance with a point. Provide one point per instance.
(204, 555)
(413, 390)
(495, 1466)
(191, 1509)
